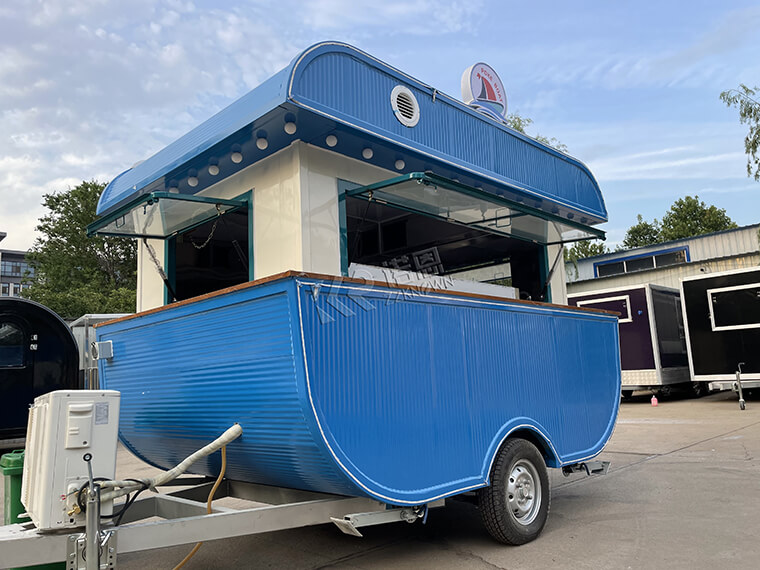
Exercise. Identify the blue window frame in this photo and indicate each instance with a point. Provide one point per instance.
(643, 261)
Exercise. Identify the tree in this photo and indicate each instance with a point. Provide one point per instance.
(74, 274)
(642, 233)
(749, 113)
(583, 249)
(687, 217)
(520, 124)
(690, 217)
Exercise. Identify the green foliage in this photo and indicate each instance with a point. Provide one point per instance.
(749, 114)
(583, 249)
(74, 274)
(520, 124)
(687, 217)
(642, 233)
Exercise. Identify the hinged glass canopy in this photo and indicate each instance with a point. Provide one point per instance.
(439, 197)
(161, 214)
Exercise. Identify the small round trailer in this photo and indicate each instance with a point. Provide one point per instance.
(38, 354)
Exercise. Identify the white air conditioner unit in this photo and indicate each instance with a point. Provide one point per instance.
(64, 426)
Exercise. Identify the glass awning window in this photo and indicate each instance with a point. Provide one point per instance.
(439, 197)
(161, 214)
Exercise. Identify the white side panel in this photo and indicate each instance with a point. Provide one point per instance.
(276, 210)
(320, 172)
(150, 286)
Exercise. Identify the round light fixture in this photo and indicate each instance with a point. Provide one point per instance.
(192, 181)
(331, 140)
(290, 128)
(400, 164)
(262, 143)
(368, 153)
(236, 157)
(213, 170)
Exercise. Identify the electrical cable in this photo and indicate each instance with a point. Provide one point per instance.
(114, 489)
(208, 507)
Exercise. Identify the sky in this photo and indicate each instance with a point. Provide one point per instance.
(90, 87)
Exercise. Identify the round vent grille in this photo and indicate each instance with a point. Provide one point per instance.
(405, 106)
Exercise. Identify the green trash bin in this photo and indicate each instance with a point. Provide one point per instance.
(12, 467)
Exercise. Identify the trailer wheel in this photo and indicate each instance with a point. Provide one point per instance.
(698, 389)
(515, 506)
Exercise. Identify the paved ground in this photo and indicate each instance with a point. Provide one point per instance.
(683, 492)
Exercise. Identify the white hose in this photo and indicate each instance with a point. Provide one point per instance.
(122, 488)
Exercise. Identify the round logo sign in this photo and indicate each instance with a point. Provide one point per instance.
(481, 86)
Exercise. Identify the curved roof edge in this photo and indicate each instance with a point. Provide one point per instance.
(338, 83)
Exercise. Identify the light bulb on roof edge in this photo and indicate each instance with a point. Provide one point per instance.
(236, 157)
(192, 181)
(213, 170)
(400, 164)
(290, 128)
(262, 143)
(368, 153)
(331, 140)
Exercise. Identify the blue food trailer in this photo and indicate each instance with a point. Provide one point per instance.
(251, 308)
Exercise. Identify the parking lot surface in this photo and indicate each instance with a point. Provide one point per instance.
(683, 491)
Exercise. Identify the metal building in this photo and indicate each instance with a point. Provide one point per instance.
(666, 263)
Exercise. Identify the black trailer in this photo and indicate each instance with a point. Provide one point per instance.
(722, 316)
(38, 354)
(652, 340)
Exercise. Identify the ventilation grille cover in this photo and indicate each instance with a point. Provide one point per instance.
(405, 106)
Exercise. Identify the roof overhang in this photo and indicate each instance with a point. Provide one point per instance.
(335, 89)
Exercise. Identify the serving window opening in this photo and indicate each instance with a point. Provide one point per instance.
(211, 256)
(207, 239)
(422, 223)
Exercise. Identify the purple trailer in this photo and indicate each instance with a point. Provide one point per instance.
(652, 338)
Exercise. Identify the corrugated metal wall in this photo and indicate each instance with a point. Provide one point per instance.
(667, 276)
(716, 250)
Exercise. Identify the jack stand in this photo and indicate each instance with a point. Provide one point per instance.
(738, 386)
(85, 550)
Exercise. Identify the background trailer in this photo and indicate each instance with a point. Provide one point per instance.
(652, 340)
(722, 316)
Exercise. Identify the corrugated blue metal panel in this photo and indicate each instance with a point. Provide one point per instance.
(362, 392)
(336, 82)
(353, 87)
(188, 373)
(415, 394)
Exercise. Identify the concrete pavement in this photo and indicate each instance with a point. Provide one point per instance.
(683, 491)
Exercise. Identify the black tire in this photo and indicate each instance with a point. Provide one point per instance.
(627, 395)
(515, 506)
(698, 389)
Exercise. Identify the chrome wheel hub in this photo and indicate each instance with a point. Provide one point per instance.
(523, 492)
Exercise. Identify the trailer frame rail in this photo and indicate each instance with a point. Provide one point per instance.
(183, 519)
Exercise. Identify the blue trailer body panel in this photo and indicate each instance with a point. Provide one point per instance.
(375, 391)
(334, 88)
(188, 373)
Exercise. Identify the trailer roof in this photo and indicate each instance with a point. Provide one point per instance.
(339, 98)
